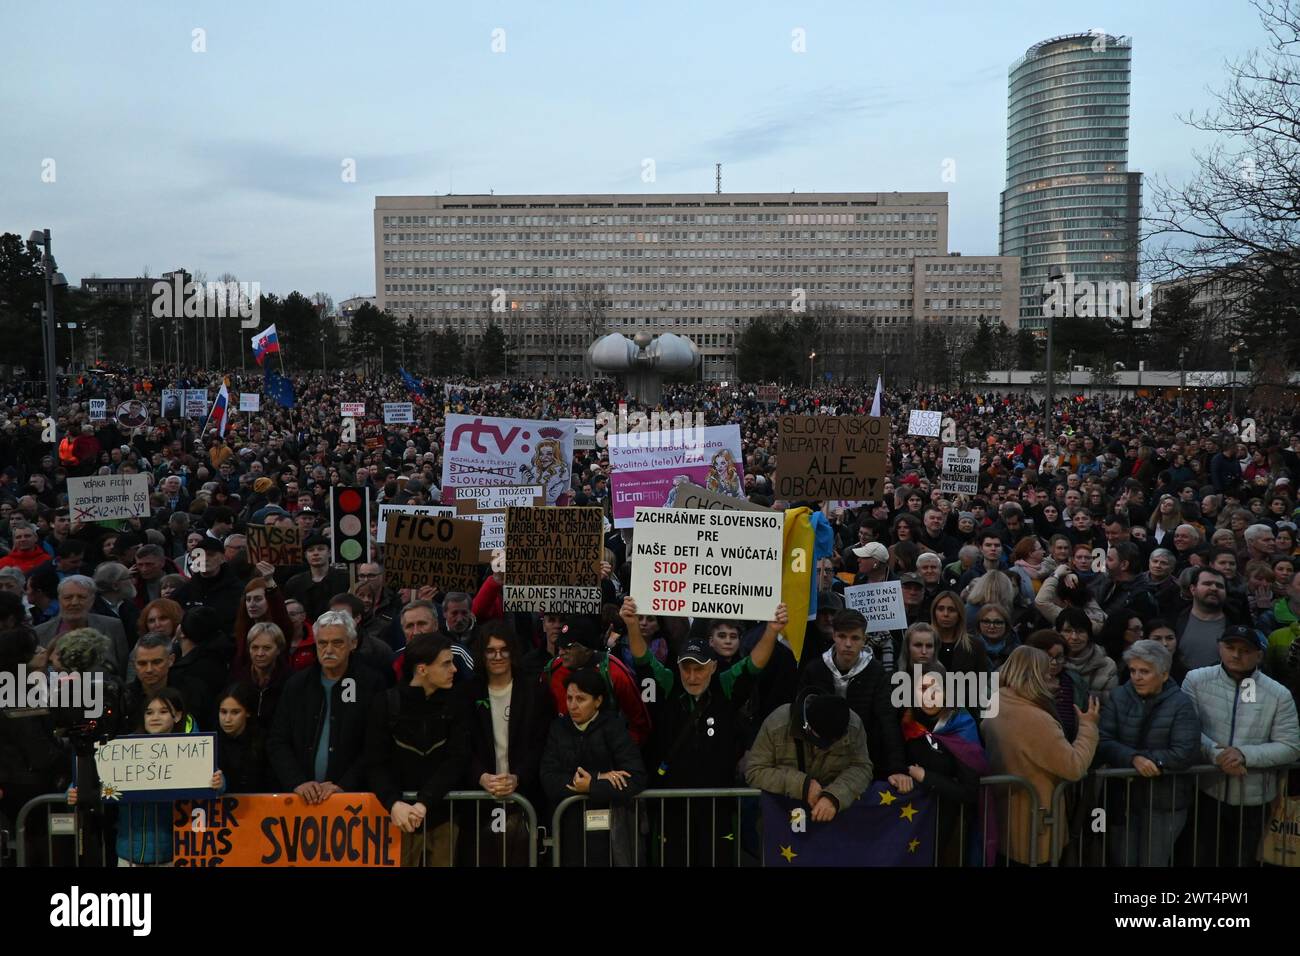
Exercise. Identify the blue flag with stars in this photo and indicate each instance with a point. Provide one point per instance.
(279, 389)
(881, 828)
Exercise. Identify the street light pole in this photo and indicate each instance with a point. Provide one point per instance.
(811, 357)
(1051, 384)
(41, 237)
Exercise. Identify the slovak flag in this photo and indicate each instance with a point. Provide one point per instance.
(264, 343)
(217, 418)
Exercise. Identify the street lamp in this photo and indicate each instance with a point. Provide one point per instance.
(1235, 350)
(811, 357)
(41, 237)
(1055, 277)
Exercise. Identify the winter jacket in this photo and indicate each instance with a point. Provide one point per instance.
(1026, 741)
(1279, 645)
(1263, 728)
(47, 635)
(223, 592)
(623, 692)
(784, 761)
(1115, 597)
(953, 760)
(1050, 605)
(867, 689)
(605, 745)
(206, 668)
(297, 727)
(1095, 670)
(528, 724)
(417, 741)
(243, 761)
(1165, 730)
(957, 659)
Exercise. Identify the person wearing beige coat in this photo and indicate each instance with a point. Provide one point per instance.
(1024, 739)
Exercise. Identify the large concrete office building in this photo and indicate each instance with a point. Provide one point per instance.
(1071, 205)
(701, 265)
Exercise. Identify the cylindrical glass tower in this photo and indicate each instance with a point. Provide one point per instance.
(1071, 205)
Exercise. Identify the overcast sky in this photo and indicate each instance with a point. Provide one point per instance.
(230, 160)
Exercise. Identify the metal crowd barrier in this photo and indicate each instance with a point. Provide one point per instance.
(1133, 831)
(510, 836)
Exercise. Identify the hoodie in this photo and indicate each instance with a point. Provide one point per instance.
(867, 689)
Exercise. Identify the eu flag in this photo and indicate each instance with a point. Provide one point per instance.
(881, 828)
(412, 382)
(279, 389)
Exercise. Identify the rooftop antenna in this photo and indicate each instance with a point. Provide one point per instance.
(717, 167)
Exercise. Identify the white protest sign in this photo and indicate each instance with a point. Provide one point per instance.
(961, 469)
(156, 765)
(723, 564)
(584, 433)
(250, 402)
(881, 604)
(399, 413)
(925, 424)
(441, 511)
(352, 409)
(498, 498)
(196, 402)
(105, 497)
(98, 409)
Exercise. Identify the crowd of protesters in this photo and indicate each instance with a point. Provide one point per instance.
(1127, 569)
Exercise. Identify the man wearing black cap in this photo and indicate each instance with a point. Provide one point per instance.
(813, 750)
(314, 587)
(212, 583)
(582, 644)
(698, 735)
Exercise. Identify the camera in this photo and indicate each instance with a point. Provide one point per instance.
(69, 712)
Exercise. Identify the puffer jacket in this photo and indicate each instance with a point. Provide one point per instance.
(844, 771)
(1165, 730)
(1263, 728)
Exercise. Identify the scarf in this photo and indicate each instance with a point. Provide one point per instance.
(1033, 570)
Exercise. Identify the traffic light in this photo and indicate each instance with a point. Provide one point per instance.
(350, 525)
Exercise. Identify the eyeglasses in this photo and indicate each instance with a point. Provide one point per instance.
(372, 574)
(993, 622)
(497, 652)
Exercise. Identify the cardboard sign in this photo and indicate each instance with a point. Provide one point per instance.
(425, 549)
(478, 450)
(925, 424)
(279, 546)
(98, 409)
(132, 414)
(441, 511)
(196, 403)
(646, 466)
(156, 766)
(347, 829)
(488, 507)
(250, 402)
(961, 471)
(173, 402)
(822, 457)
(724, 564)
(553, 558)
(687, 495)
(352, 409)
(770, 394)
(399, 413)
(106, 497)
(881, 604)
(584, 433)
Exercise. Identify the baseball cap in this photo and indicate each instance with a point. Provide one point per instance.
(582, 629)
(911, 577)
(1240, 632)
(829, 601)
(872, 549)
(697, 650)
(314, 540)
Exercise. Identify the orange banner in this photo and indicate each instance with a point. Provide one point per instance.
(347, 829)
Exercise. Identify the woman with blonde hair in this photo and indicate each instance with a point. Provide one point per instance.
(1024, 739)
(954, 649)
(265, 667)
(1166, 517)
(991, 587)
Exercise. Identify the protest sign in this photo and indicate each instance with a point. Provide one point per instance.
(196, 403)
(399, 413)
(770, 394)
(961, 469)
(173, 402)
(250, 402)
(156, 766)
(688, 563)
(584, 433)
(98, 409)
(553, 558)
(687, 495)
(821, 457)
(881, 604)
(441, 511)
(346, 829)
(507, 451)
(352, 409)
(275, 545)
(132, 414)
(105, 497)
(923, 423)
(646, 466)
(426, 549)
(487, 505)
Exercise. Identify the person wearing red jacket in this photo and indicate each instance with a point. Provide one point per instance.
(582, 645)
(27, 554)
